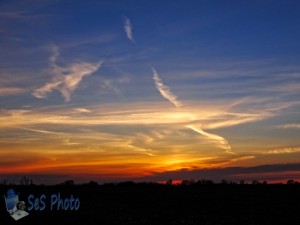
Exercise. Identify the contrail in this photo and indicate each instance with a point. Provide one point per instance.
(128, 29)
(167, 94)
(40, 131)
(222, 142)
(165, 90)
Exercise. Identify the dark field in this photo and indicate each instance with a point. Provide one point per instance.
(162, 204)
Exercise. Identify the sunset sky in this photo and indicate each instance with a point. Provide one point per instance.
(120, 90)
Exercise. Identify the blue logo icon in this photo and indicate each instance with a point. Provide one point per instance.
(14, 207)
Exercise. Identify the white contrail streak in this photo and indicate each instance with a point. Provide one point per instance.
(167, 94)
(40, 131)
(128, 29)
(165, 90)
(220, 141)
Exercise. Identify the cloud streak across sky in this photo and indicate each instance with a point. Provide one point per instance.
(165, 90)
(222, 142)
(4, 91)
(66, 79)
(288, 126)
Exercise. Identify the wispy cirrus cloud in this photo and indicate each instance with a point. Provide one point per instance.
(287, 126)
(4, 91)
(174, 138)
(128, 29)
(112, 85)
(82, 110)
(286, 150)
(130, 114)
(66, 79)
(165, 90)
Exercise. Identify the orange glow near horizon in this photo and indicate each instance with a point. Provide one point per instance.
(125, 143)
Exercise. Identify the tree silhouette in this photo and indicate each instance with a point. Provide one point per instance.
(68, 183)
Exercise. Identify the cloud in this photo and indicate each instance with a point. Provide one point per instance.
(4, 91)
(112, 85)
(167, 94)
(40, 131)
(233, 119)
(54, 56)
(286, 150)
(271, 172)
(128, 29)
(139, 113)
(121, 135)
(222, 142)
(82, 110)
(66, 79)
(164, 90)
(287, 126)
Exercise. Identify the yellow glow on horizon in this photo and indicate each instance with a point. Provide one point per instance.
(131, 140)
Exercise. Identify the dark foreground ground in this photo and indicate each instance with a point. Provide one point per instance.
(212, 204)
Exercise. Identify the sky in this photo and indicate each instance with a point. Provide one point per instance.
(149, 90)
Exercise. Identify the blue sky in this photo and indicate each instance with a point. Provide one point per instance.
(130, 88)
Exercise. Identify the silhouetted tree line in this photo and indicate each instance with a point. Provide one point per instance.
(23, 181)
(26, 181)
